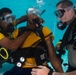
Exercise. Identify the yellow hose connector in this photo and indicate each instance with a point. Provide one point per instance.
(57, 47)
(6, 53)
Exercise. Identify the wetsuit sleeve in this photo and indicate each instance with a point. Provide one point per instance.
(47, 33)
(1, 36)
(15, 33)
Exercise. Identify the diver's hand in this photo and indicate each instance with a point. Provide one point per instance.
(31, 16)
(41, 70)
(30, 27)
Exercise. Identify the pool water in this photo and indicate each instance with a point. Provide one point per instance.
(19, 8)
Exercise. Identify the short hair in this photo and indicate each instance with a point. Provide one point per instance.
(5, 10)
(64, 3)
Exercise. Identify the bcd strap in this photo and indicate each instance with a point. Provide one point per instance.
(22, 30)
(66, 35)
(21, 52)
(37, 53)
(40, 56)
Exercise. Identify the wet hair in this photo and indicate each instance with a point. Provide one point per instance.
(5, 10)
(64, 3)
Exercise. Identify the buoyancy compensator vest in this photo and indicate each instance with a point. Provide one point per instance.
(40, 52)
(71, 29)
(4, 53)
(66, 35)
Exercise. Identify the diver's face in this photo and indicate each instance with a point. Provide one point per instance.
(64, 14)
(31, 17)
(3, 24)
(6, 19)
(34, 19)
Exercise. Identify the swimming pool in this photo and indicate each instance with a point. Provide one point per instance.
(20, 7)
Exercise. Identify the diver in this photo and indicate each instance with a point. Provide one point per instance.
(69, 37)
(33, 49)
(8, 22)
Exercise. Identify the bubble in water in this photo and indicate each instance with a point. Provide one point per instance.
(40, 2)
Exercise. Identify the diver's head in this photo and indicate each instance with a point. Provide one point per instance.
(65, 11)
(6, 18)
(34, 16)
(6, 15)
(5, 11)
(34, 19)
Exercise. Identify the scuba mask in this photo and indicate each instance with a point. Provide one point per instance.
(34, 11)
(9, 18)
(60, 12)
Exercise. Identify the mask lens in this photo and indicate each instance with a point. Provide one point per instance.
(34, 11)
(59, 13)
(8, 18)
(3, 18)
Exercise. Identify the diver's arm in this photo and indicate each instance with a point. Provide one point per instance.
(21, 19)
(53, 58)
(16, 43)
(41, 70)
